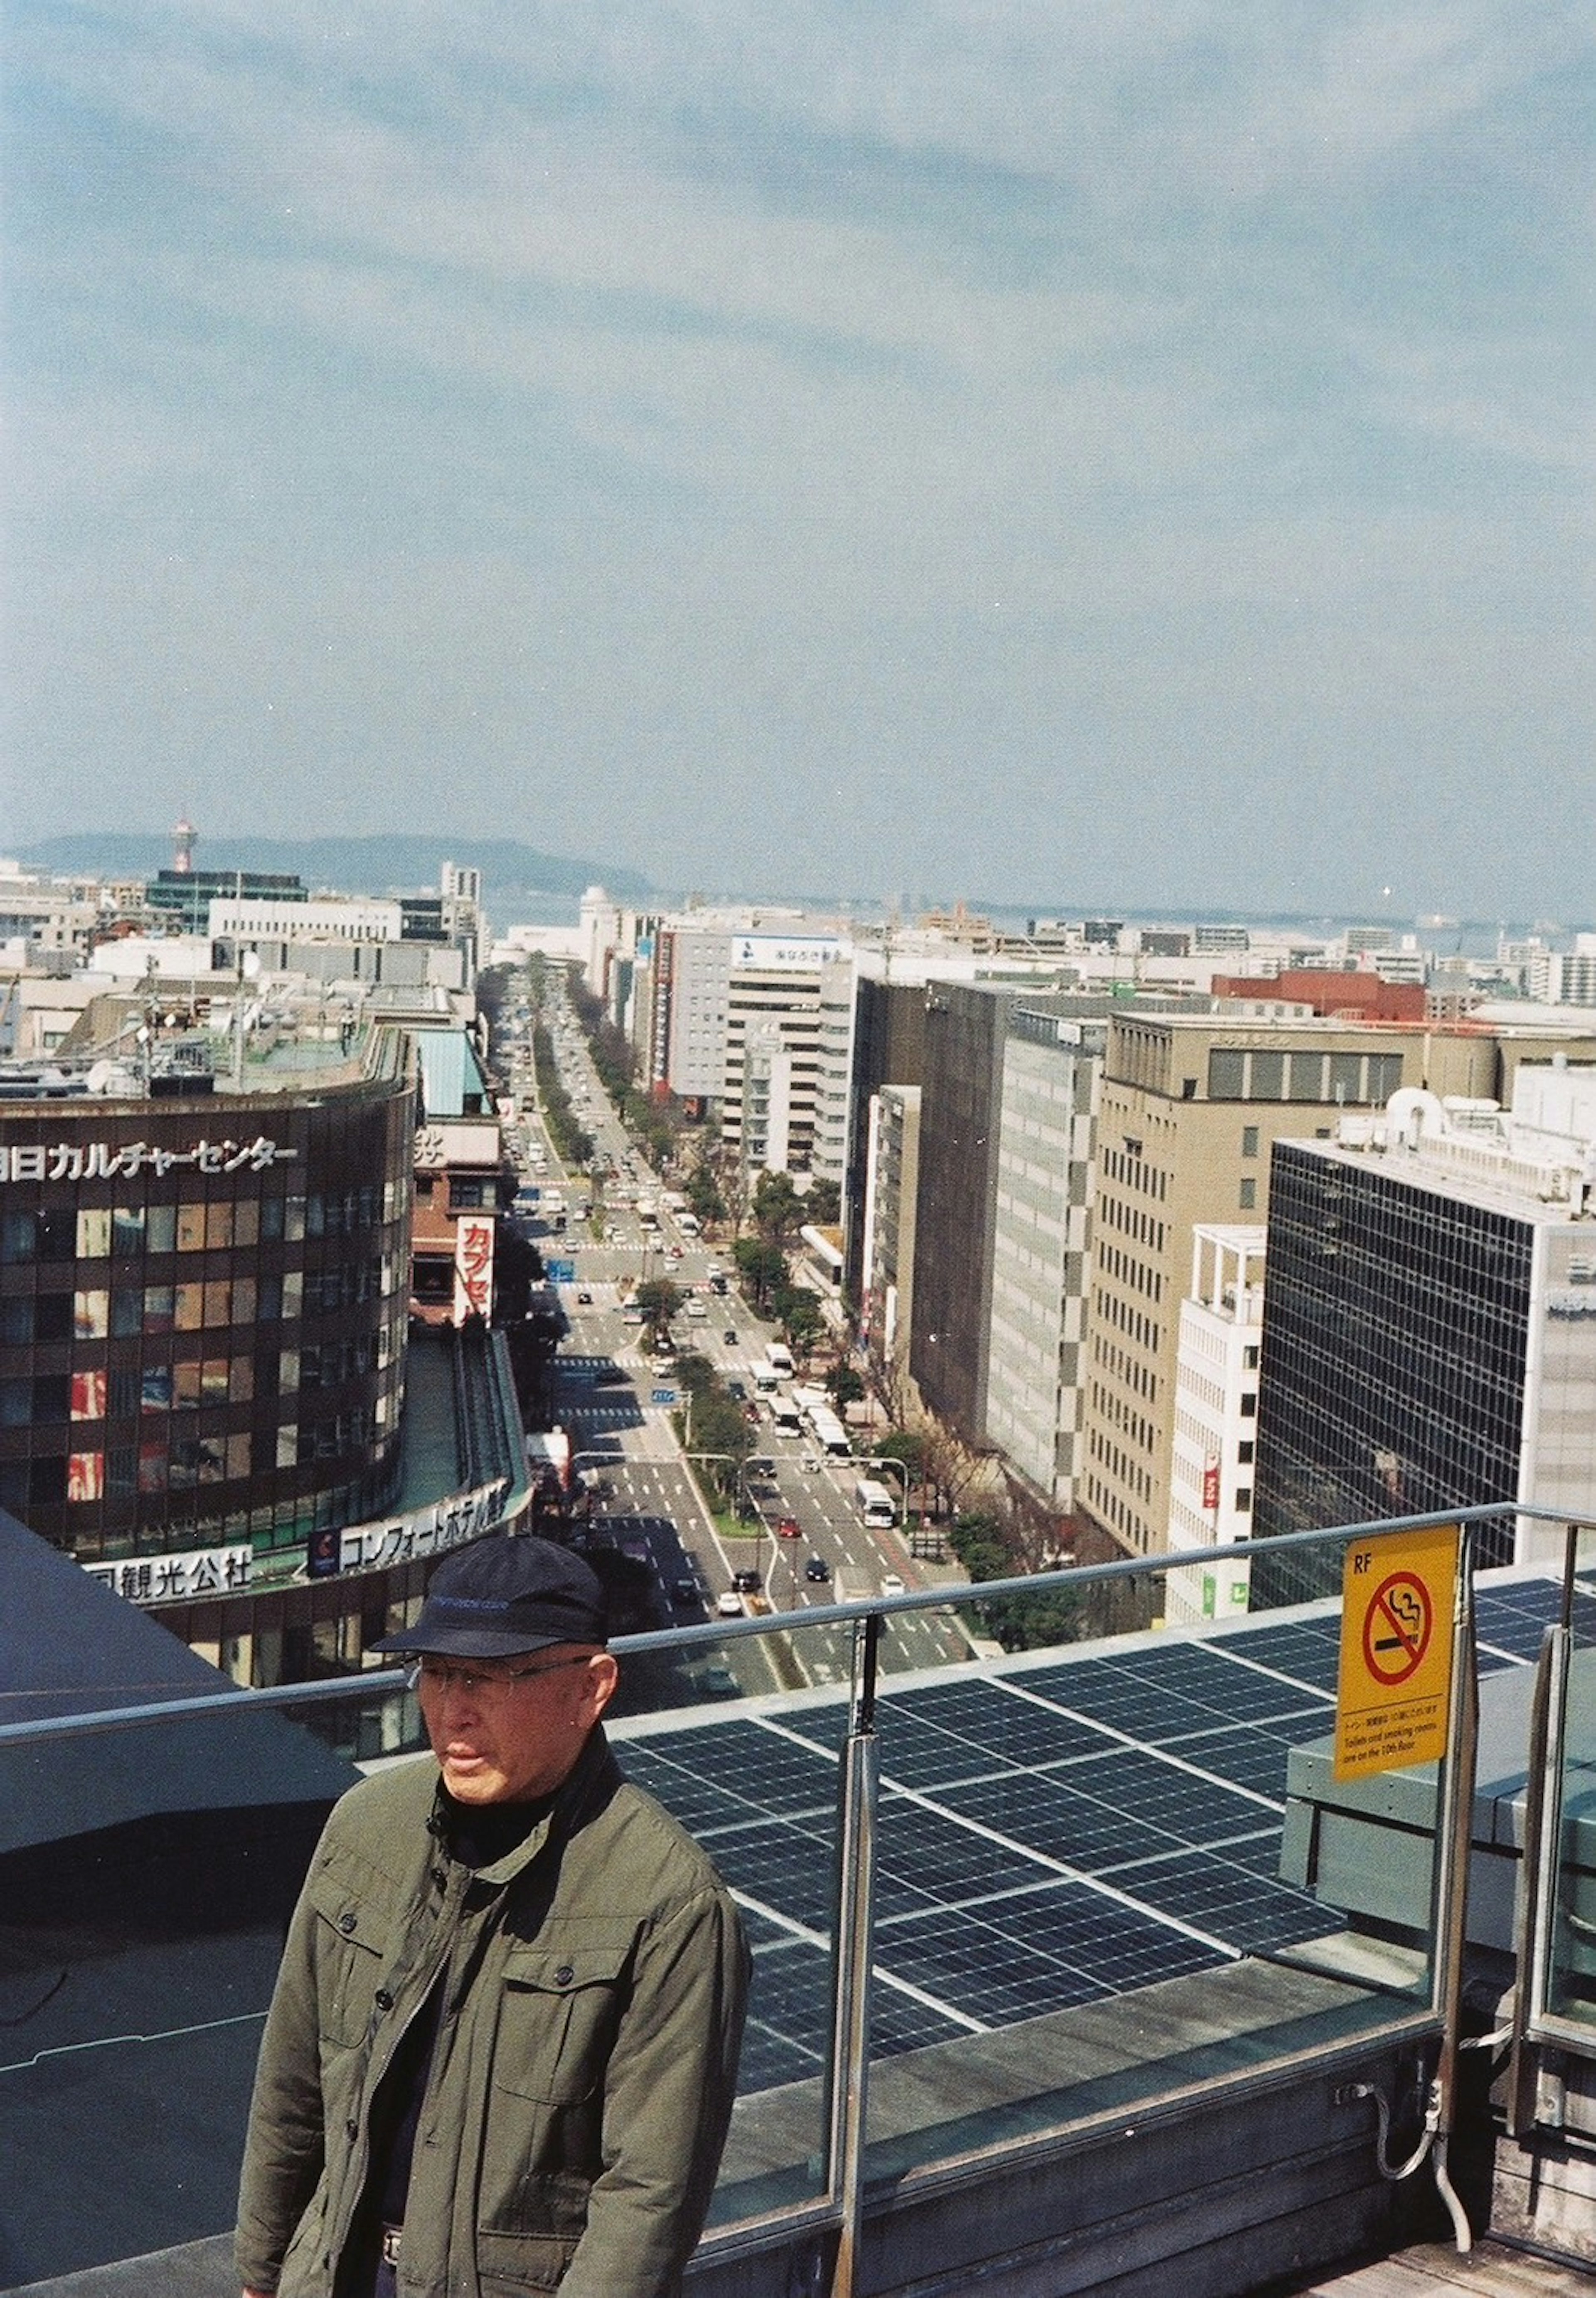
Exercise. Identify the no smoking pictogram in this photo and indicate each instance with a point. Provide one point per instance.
(1397, 1628)
(1398, 1605)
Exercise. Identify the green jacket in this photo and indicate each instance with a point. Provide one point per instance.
(586, 2062)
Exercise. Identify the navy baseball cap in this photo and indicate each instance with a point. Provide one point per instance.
(509, 1593)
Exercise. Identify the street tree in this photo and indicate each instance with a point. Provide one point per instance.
(823, 1203)
(659, 1300)
(778, 1207)
(761, 1268)
(803, 1322)
(702, 1191)
(846, 1384)
(983, 1542)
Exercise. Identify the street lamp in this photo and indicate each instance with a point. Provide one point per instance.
(740, 1465)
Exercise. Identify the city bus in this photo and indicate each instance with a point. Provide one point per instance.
(875, 1504)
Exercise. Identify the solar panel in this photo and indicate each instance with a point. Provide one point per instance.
(1306, 1652)
(1077, 1831)
(1252, 1755)
(1059, 1944)
(1049, 1832)
(1219, 1895)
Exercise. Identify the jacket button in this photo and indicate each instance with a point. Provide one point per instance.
(564, 1975)
(382, 1999)
(346, 1923)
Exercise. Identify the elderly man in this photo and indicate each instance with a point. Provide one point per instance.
(501, 2054)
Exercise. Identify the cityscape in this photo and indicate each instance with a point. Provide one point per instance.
(797, 872)
(794, 1267)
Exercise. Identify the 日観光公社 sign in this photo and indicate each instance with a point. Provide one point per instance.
(174, 1579)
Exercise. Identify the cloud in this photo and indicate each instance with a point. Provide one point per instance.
(859, 404)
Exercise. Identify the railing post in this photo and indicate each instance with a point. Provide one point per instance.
(1454, 1839)
(858, 1788)
(1543, 1836)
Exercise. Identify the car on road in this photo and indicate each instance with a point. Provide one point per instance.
(818, 1570)
(747, 1584)
(892, 1583)
(584, 1299)
(788, 1528)
(737, 1393)
(728, 1605)
(730, 1337)
(686, 1593)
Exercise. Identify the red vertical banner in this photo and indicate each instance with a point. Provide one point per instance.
(1210, 1485)
(473, 1268)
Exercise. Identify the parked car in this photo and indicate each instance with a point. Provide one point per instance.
(818, 1570)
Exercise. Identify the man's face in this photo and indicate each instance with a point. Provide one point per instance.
(509, 1731)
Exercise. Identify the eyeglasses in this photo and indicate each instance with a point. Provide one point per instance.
(442, 1675)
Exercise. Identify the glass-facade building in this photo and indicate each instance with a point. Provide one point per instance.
(1395, 1351)
(203, 1312)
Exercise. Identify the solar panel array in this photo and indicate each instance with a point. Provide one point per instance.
(1048, 1834)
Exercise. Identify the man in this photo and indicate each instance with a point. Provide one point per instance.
(503, 2049)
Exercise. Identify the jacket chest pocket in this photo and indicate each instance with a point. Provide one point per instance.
(351, 1956)
(559, 2009)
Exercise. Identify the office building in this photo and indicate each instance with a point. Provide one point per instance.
(1430, 1336)
(769, 1100)
(1213, 1455)
(889, 1197)
(1036, 1360)
(1190, 1108)
(203, 1308)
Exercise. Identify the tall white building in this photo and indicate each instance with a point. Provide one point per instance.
(1035, 1393)
(892, 1180)
(1212, 1459)
(772, 1048)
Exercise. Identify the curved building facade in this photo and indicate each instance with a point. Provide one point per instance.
(203, 1312)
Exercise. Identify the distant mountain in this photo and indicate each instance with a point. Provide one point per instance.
(354, 865)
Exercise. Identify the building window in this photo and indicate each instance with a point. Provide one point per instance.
(1249, 1405)
(1249, 1357)
(1248, 1141)
(1244, 1452)
(1244, 1500)
(1249, 1195)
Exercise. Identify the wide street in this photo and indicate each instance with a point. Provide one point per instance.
(617, 1410)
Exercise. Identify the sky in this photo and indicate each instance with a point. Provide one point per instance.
(1047, 454)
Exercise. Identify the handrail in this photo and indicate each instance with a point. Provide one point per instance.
(813, 1616)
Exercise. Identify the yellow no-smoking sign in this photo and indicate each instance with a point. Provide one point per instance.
(1396, 1652)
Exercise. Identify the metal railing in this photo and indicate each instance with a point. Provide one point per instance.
(834, 2214)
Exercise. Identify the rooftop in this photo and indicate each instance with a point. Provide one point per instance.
(1109, 2015)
